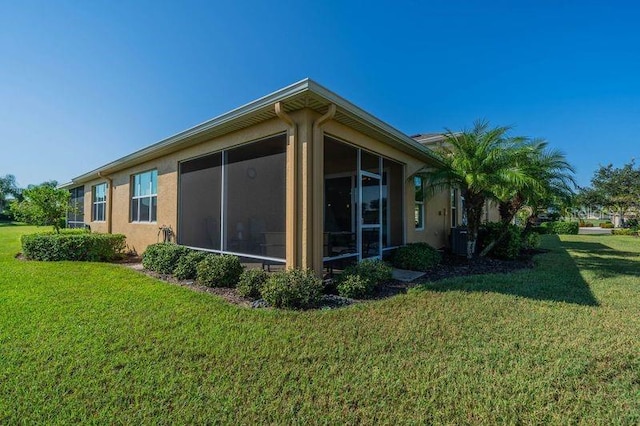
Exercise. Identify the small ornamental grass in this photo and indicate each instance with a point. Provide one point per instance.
(293, 289)
(251, 282)
(163, 257)
(77, 245)
(417, 257)
(186, 267)
(219, 270)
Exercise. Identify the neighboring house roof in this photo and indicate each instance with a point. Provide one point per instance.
(303, 94)
(429, 137)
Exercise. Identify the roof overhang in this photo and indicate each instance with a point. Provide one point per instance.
(303, 94)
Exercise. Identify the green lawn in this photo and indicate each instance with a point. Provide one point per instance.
(98, 343)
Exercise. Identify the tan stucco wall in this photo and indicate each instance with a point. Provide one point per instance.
(140, 235)
(303, 187)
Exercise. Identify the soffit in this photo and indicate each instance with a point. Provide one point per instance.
(304, 94)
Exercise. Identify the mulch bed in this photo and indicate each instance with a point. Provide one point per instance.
(451, 266)
(456, 266)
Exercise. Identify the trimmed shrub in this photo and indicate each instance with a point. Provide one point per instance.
(186, 266)
(510, 245)
(361, 279)
(561, 228)
(293, 288)
(374, 270)
(583, 224)
(219, 270)
(79, 246)
(541, 230)
(417, 257)
(355, 286)
(606, 225)
(625, 231)
(251, 282)
(163, 257)
(531, 241)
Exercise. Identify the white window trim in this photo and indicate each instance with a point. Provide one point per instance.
(94, 203)
(454, 207)
(151, 196)
(419, 204)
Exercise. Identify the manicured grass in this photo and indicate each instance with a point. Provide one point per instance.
(98, 343)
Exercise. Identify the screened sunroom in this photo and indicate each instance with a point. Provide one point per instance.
(233, 201)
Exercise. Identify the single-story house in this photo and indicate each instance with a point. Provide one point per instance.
(300, 177)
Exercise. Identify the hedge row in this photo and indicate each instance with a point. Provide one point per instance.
(625, 231)
(287, 289)
(78, 246)
(560, 228)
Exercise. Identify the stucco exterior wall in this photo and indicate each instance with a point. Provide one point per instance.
(140, 235)
(302, 195)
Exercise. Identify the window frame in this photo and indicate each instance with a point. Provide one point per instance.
(454, 207)
(137, 198)
(418, 202)
(95, 203)
(77, 206)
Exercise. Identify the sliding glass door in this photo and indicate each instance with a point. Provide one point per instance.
(362, 203)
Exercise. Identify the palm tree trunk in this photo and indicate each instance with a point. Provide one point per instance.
(474, 205)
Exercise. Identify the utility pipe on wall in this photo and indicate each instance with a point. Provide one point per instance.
(109, 200)
(317, 197)
(291, 238)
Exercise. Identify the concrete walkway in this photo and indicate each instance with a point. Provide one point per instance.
(406, 276)
(596, 230)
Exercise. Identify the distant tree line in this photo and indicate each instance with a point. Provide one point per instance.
(614, 190)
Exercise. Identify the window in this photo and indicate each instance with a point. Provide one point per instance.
(75, 216)
(99, 208)
(144, 199)
(234, 201)
(454, 207)
(419, 202)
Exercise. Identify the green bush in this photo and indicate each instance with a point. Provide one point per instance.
(80, 246)
(561, 228)
(361, 279)
(531, 241)
(354, 286)
(606, 225)
(251, 282)
(416, 257)
(372, 269)
(625, 231)
(219, 270)
(293, 288)
(163, 257)
(510, 245)
(186, 266)
(542, 229)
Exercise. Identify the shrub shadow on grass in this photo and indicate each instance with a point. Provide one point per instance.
(556, 277)
(604, 261)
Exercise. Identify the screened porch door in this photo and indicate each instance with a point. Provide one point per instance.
(370, 232)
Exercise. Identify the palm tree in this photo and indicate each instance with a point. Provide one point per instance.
(478, 162)
(550, 182)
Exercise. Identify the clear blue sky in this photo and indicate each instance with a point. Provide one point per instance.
(83, 83)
